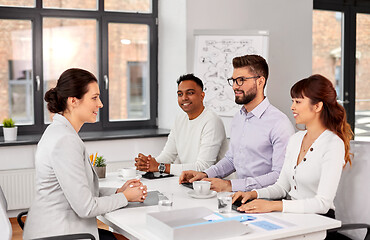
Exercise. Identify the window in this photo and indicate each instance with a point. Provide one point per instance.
(115, 40)
(327, 45)
(16, 98)
(341, 51)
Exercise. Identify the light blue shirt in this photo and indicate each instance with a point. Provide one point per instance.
(257, 148)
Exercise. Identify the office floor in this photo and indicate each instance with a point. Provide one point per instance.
(17, 231)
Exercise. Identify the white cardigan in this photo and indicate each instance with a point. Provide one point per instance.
(68, 197)
(312, 184)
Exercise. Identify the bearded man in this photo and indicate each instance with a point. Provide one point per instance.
(259, 134)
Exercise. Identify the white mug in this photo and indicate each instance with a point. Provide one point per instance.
(202, 187)
(127, 172)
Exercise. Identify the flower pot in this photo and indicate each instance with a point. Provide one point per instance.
(10, 134)
(100, 171)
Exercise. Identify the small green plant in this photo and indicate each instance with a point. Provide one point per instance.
(100, 162)
(8, 123)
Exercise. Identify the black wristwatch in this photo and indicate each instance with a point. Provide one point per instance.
(161, 168)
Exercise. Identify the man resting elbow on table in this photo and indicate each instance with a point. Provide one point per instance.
(259, 134)
(197, 138)
(314, 158)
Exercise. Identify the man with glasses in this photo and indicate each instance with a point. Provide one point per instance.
(197, 139)
(259, 134)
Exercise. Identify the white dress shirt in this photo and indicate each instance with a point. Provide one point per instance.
(313, 183)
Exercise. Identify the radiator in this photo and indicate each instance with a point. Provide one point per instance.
(18, 187)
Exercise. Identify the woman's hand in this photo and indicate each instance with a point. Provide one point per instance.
(135, 194)
(261, 206)
(244, 196)
(131, 182)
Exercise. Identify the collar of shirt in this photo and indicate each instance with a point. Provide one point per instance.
(61, 119)
(257, 111)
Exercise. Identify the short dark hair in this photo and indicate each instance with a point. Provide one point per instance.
(72, 83)
(256, 64)
(191, 77)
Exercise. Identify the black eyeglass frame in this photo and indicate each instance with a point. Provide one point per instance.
(239, 80)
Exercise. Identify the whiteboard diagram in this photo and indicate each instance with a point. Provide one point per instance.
(213, 64)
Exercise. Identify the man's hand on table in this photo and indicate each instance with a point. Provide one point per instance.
(146, 163)
(191, 176)
(219, 185)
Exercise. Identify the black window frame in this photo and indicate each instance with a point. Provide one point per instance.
(350, 9)
(36, 15)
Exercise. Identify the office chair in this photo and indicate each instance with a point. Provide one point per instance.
(60, 237)
(353, 194)
(5, 226)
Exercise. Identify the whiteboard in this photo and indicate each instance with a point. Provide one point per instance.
(214, 52)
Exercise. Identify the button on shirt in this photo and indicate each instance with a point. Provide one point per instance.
(257, 148)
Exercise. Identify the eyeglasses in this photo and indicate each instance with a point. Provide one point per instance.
(239, 80)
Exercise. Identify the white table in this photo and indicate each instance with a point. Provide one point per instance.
(131, 222)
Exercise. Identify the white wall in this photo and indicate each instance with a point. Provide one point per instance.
(289, 23)
(171, 57)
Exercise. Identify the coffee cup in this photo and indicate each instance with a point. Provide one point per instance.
(202, 187)
(127, 172)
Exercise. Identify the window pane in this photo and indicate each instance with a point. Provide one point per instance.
(67, 43)
(70, 4)
(143, 6)
(17, 3)
(362, 110)
(326, 47)
(16, 80)
(128, 71)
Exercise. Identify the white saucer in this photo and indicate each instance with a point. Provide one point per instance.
(138, 176)
(194, 195)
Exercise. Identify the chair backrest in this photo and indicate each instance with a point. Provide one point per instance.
(353, 195)
(5, 226)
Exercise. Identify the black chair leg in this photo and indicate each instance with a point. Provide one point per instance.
(19, 218)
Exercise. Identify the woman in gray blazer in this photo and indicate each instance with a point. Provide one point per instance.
(68, 197)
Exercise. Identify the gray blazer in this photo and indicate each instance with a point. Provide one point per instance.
(68, 197)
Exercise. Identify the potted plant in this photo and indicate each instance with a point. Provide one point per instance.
(10, 130)
(100, 166)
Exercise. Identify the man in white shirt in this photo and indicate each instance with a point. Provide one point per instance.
(196, 141)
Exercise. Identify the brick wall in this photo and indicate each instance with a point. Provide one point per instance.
(327, 40)
(78, 50)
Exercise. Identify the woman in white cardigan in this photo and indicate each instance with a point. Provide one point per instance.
(314, 158)
(68, 197)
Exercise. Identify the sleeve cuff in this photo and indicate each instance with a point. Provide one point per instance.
(292, 206)
(238, 185)
(262, 193)
(243, 184)
(211, 173)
